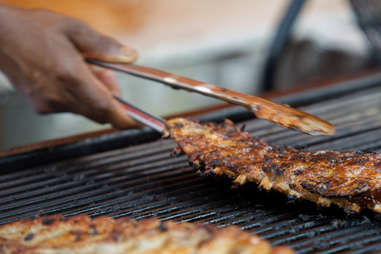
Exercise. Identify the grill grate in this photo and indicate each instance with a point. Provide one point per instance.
(144, 180)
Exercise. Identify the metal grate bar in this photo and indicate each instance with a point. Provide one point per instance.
(98, 174)
(86, 182)
(361, 239)
(330, 234)
(369, 248)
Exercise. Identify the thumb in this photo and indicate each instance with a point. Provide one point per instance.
(92, 44)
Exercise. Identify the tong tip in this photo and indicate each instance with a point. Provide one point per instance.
(292, 118)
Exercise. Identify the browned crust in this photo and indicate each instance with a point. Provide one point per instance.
(81, 234)
(347, 179)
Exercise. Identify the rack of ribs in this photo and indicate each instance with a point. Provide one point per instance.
(351, 180)
(82, 235)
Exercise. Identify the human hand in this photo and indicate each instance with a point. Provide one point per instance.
(42, 53)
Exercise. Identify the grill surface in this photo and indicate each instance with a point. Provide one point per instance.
(143, 180)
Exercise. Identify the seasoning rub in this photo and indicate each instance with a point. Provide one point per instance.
(351, 180)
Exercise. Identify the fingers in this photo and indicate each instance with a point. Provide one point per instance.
(120, 119)
(95, 92)
(95, 45)
(100, 85)
(71, 86)
(118, 115)
(49, 69)
(107, 78)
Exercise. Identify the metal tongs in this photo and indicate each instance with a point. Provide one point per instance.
(282, 115)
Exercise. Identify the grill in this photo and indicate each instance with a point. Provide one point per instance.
(132, 173)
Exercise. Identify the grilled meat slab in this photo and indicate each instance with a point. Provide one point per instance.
(351, 180)
(81, 234)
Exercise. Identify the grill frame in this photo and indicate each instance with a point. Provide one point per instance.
(101, 175)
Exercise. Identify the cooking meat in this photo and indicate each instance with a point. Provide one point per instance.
(83, 235)
(351, 180)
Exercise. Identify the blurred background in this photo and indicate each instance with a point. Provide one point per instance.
(245, 45)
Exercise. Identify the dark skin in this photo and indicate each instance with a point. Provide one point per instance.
(42, 54)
